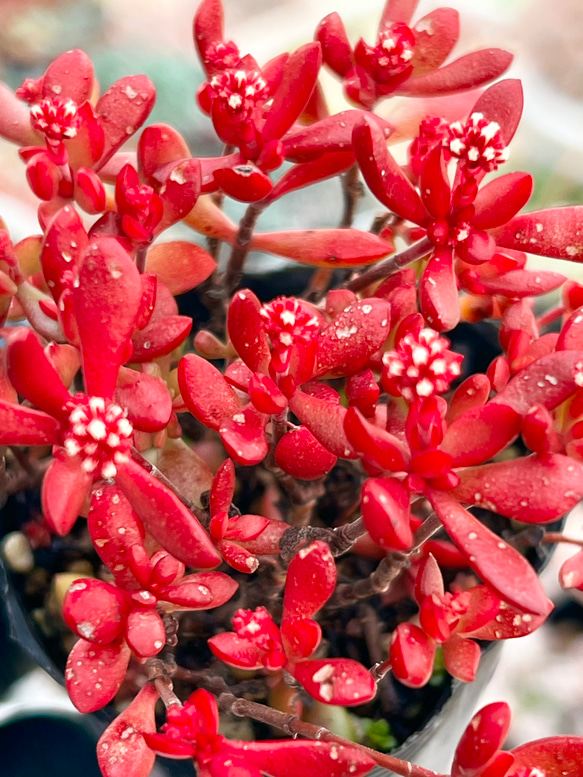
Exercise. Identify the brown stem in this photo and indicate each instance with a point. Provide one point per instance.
(293, 726)
(353, 190)
(159, 673)
(159, 475)
(234, 271)
(552, 537)
(141, 256)
(340, 539)
(391, 265)
(378, 582)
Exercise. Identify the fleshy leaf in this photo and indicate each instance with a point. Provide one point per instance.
(300, 454)
(180, 265)
(310, 582)
(65, 488)
(146, 398)
(467, 72)
(247, 331)
(496, 562)
(91, 690)
(336, 681)
(121, 749)
(411, 653)
(23, 426)
(533, 489)
(481, 740)
(480, 433)
(556, 232)
(206, 393)
(553, 756)
(326, 422)
(122, 110)
(386, 515)
(243, 435)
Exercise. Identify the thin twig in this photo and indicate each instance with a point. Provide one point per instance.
(293, 726)
(234, 271)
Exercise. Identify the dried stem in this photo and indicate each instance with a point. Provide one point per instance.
(293, 726)
(234, 271)
(159, 673)
(388, 570)
(340, 539)
(391, 265)
(141, 256)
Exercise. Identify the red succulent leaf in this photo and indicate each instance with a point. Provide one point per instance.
(552, 757)
(122, 110)
(538, 432)
(464, 73)
(106, 304)
(32, 374)
(15, 119)
(297, 84)
(179, 532)
(145, 632)
(411, 654)
(329, 135)
(223, 488)
(94, 610)
(435, 36)
(115, 529)
(336, 681)
(571, 335)
(325, 420)
(480, 433)
(208, 28)
(201, 590)
(336, 48)
(434, 184)
(461, 657)
(181, 266)
(206, 393)
(70, 75)
(346, 344)
(244, 182)
(280, 758)
(300, 637)
(386, 514)
(547, 382)
(265, 395)
(243, 435)
(182, 184)
(64, 244)
(236, 651)
(300, 454)
(506, 622)
(91, 690)
(533, 489)
(554, 232)
(496, 562)
(481, 740)
(523, 283)
(374, 443)
(310, 582)
(429, 579)
(238, 557)
(438, 291)
(160, 337)
(24, 426)
(90, 192)
(324, 247)
(65, 488)
(571, 572)
(501, 199)
(502, 102)
(43, 176)
(159, 144)
(146, 398)
(247, 332)
(121, 749)
(386, 180)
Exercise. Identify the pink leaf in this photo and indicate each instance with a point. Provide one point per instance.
(207, 27)
(223, 488)
(206, 393)
(324, 247)
(553, 756)
(498, 564)
(438, 293)
(23, 426)
(181, 266)
(386, 180)
(201, 590)
(300, 637)
(300, 454)
(146, 398)
(91, 690)
(160, 338)
(501, 199)
(247, 331)
(480, 433)
(481, 740)
(411, 653)
(235, 651)
(533, 489)
(326, 422)
(386, 515)
(64, 244)
(467, 72)
(145, 632)
(306, 173)
(336, 681)
(94, 610)
(243, 435)
(106, 303)
(548, 382)
(346, 344)
(374, 443)
(523, 283)
(69, 76)
(502, 102)
(280, 758)
(461, 657)
(121, 749)
(435, 36)
(159, 144)
(65, 488)
(556, 232)
(310, 582)
(167, 519)
(507, 623)
(123, 109)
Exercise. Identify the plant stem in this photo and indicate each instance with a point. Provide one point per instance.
(391, 265)
(234, 271)
(378, 582)
(293, 726)
(141, 256)
(340, 539)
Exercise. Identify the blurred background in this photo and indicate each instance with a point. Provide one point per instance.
(542, 676)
